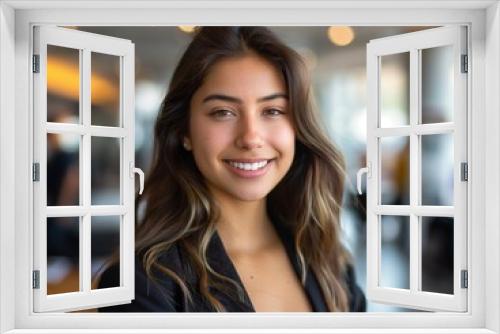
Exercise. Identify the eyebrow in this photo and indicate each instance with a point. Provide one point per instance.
(239, 101)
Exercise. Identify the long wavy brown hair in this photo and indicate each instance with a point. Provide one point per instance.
(178, 208)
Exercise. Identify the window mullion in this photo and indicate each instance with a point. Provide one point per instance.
(124, 164)
(415, 275)
(85, 242)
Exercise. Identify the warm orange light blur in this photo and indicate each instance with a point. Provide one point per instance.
(187, 29)
(341, 35)
(63, 78)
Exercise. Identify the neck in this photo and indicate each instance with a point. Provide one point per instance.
(244, 226)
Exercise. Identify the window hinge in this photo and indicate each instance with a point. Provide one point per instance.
(465, 279)
(465, 64)
(464, 171)
(36, 171)
(36, 279)
(36, 63)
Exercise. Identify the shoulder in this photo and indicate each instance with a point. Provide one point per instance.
(357, 300)
(159, 293)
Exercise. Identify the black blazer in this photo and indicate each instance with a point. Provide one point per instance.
(164, 295)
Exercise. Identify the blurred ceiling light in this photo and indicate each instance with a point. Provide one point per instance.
(187, 29)
(63, 78)
(341, 35)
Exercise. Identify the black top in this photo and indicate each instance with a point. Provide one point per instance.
(165, 295)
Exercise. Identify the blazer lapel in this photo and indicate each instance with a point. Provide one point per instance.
(219, 260)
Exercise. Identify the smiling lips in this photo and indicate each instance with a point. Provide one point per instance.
(249, 167)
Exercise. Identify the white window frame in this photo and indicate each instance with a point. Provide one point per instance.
(85, 44)
(413, 44)
(16, 20)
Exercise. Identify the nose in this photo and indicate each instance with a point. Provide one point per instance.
(249, 133)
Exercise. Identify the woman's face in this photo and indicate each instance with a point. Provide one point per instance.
(241, 131)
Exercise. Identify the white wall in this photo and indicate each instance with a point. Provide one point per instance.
(7, 184)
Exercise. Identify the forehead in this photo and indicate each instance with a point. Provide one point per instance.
(247, 75)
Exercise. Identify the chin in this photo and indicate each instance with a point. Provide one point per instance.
(250, 196)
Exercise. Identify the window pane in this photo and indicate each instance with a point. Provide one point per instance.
(395, 252)
(437, 169)
(105, 89)
(63, 251)
(395, 90)
(63, 84)
(105, 241)
(437, 254)
(437, 84)
(105, 167)
(63, 170)
(395, 170)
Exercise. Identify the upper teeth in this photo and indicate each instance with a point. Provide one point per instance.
(248, 166)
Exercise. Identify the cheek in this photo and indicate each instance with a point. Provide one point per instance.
(207, 138)
(284, 141)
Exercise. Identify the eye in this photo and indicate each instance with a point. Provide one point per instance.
(274, 112)
(221, 113)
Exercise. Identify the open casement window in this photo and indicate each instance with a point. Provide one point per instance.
(69, 122)
(417, 168)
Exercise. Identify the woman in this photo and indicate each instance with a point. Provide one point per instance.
(245, 190)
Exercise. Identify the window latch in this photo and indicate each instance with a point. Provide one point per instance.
(139, 171)
(360, 173)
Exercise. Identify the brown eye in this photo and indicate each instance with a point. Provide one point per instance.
(221, 113)
(274, 112)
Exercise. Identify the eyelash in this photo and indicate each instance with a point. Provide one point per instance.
(280, 112)
(221, 112)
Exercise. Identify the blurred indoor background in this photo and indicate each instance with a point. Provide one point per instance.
(336, 57)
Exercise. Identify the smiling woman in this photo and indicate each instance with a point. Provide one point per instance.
(243, 198)
(243, 140)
